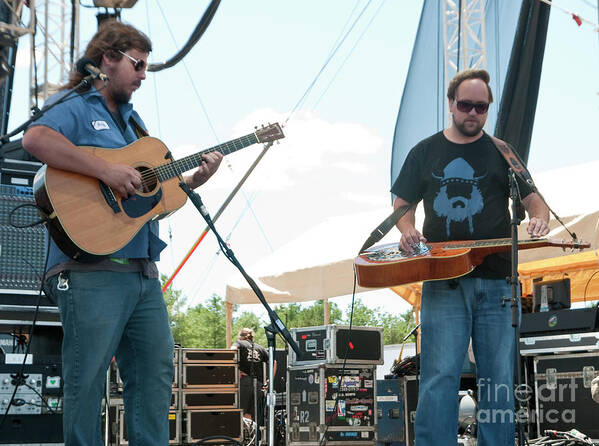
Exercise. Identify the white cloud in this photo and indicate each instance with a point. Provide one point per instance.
(312, 146)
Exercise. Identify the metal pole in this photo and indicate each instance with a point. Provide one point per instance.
(271, 399)
(107, 409)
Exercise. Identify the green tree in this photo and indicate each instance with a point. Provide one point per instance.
(204, 326)
(362, 315)
(294, 315)
(175, 300)
(396, 327)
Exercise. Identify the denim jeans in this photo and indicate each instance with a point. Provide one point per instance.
(122, 314)
(450, 315)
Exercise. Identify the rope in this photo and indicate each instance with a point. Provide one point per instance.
(578, 19)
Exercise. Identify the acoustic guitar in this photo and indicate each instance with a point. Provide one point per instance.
(387, 265)
(88, 221)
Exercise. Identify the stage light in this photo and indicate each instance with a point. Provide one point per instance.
(114, 3)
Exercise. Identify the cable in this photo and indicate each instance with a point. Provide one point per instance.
(328, 59)
(351, 51)
(193, 39)
(20, 374)
(41, 396)
(207, 116)
(342, 372)
(587, 286)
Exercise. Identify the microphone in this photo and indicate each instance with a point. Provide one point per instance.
(86, 66)
(385, 226)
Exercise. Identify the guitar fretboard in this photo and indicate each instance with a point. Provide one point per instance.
(492, 242)
(178, 167)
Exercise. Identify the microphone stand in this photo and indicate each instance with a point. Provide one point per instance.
(515, 302)
(37, 113)
(276, 324)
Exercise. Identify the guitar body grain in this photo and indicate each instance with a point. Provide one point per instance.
(384, 266)
(441, 264)
(82, 223)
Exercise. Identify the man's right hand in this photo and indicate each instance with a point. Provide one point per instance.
(409, 238)
(122, 179)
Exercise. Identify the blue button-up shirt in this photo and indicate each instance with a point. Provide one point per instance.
(85, 120)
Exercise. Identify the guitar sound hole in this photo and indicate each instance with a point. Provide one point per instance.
(149, 181)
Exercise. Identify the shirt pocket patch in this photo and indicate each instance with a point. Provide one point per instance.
(100, 125)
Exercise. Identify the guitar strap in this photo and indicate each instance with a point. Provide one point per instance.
(139, 130)
(514, 161)
(517, 165)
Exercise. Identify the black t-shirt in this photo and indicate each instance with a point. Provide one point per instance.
(465, 191)
(251, 357)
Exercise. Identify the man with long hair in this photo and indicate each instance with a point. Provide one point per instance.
(113, 307)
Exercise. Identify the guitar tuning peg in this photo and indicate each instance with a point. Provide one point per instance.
(255, 127)
(262, 125)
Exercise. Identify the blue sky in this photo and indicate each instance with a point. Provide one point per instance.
(253, 65)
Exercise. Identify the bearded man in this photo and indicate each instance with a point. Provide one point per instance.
(463, 182)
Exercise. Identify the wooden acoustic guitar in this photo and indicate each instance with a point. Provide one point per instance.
(88, 221)
(387, 265)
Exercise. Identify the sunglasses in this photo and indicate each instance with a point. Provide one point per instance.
(466, 107)
(138, 64)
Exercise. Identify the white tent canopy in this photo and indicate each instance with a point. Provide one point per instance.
(316, 265)
(319, 263)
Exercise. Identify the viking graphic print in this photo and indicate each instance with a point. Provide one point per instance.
(459, 197)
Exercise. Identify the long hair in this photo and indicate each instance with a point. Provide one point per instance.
(112, 37)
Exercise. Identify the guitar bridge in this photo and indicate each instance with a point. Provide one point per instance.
(110, 198)
(394, 253)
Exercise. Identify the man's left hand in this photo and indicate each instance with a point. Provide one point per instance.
(537, 227)
(206, 170)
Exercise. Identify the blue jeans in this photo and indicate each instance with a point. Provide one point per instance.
(106, 314)
(450, 316)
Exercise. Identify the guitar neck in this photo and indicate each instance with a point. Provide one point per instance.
(178, 167)
(502, 244)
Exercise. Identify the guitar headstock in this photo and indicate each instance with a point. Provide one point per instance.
(571, 244)
(270, 133)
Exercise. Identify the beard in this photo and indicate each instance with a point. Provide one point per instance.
(468, 131)
(121, 96)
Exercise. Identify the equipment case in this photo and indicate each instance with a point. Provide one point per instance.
(563, 399)
(327, 395)
(331, 344)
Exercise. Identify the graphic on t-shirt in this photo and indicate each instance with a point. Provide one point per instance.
(459, 198)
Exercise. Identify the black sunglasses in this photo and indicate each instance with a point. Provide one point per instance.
(138, 64)
(466, 107)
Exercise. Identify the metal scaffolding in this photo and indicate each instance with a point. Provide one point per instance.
(56, 46)
(464, 41)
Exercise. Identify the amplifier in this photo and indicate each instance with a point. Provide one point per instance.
(334, 344)
(17, 172)
(209, 375)
(174, 427)
(328, 395)
(194, 355)
(23, 249)
(210, 399)
(205, 423)
(579, 320)
(36, 413)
